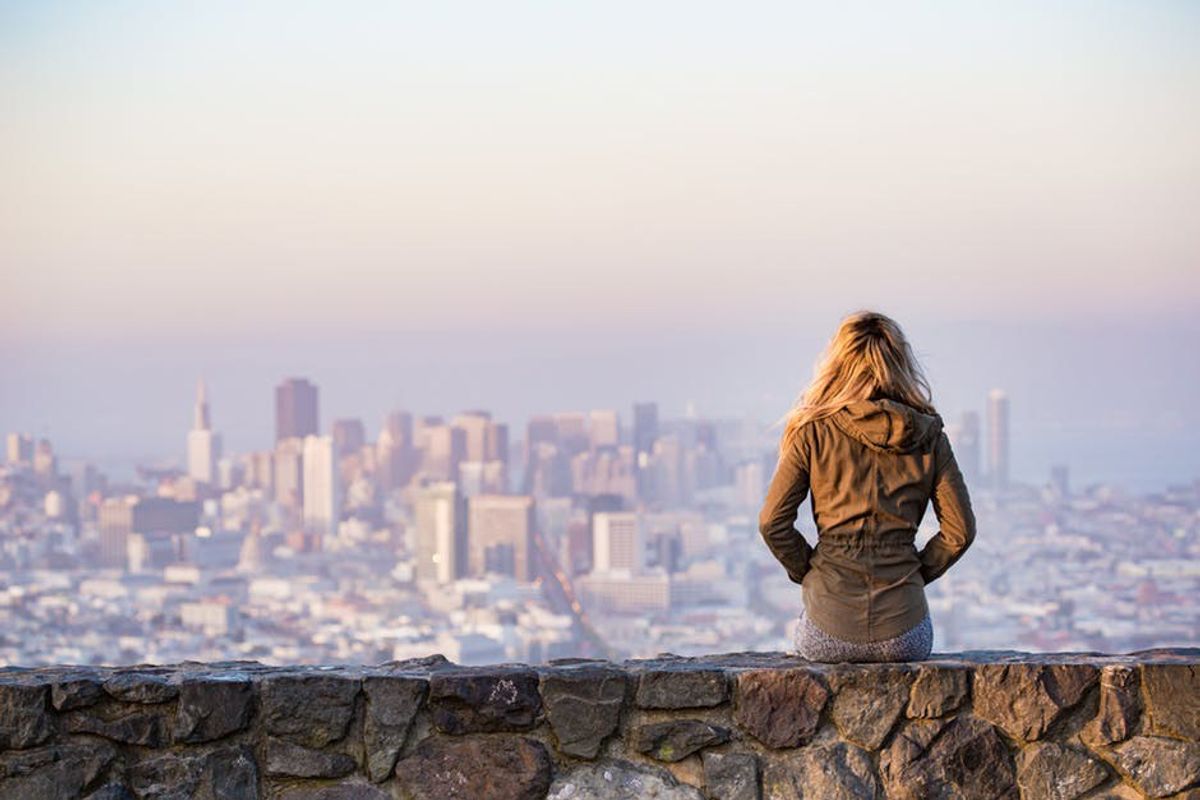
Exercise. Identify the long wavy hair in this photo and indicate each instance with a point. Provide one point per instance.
(868, 358)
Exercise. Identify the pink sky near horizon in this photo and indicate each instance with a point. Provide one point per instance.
(261, 170)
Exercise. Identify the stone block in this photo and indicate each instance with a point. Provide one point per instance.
(938, 690)
(24, 718)
(473, 768)
(779, 707)
(308, 708)
(836, 771)
(392, 705)
(1026, 699)
(681, 686)
(583, 705)
(675, 740)
(867, 702)
(1172, 694)
(1051, 771)
(212, 706)
(487, 699)
(962, 757)
(731, 776)
(619, 780)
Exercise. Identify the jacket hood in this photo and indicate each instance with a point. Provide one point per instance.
(888, 425)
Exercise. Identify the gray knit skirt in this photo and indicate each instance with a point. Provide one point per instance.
(814, 644)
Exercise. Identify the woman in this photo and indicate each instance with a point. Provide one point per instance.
(866, 441)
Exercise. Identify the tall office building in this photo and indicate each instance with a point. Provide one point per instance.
(500, 536)
(965, 441)
(295, 409)
(288, 472)
(645, 427)
(645, 433)
(322, 508)
(446, 447)
(617, 542)
(349, 436)
(122, 519)
(998, 437)
(604, 428)
(203, 445)
(20, 448)
(441, 533)
(571, 432)
(474, 425)
(396, 457)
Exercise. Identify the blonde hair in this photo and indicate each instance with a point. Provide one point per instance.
(868, 358)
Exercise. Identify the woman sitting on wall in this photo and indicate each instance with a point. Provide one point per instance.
(865, 440)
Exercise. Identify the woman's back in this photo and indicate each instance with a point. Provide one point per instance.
(872, 468)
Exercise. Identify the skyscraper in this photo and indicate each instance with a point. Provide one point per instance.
(20, 448)
(321, 489)
(441, 533)
(998, 435)
(604, 428)
(203, 446)
(645, 432)
(295, 409)
(499, 536)
(965, 441)
(617, 542)
(645, 427)
(349, 436)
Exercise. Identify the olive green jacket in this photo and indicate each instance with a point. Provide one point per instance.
(872, 468)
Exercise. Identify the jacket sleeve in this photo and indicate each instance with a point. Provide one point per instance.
(789, 487)
(952, 505)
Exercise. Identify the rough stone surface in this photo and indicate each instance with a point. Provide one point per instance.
(51, 771)
(1051, 771)
(484, 699)
(110, 791)
(135, 687)
(212, 707)
(583, 706)
(225, 774)
(24, 721)
(1120, 705)
(780, 708)
(964, 757)
(677, 739)
(619, 780)
(1172, 699)
(145, 728)
(472, 768)
(308, 709)
(392, 705)
(72, 693)
(1159, 767)
(838, 771)
(1024, 700)
(681, 686)
(987, 724)
(731, 776)
(342, 791)
(287, 759)
(867, 702)
(938, 690)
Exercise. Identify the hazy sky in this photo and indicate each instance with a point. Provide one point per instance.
(691, 192)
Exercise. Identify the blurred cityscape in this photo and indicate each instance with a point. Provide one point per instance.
(592, 534)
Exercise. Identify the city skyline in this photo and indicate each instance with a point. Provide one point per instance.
(586, 532)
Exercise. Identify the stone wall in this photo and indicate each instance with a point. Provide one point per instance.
(741, 726)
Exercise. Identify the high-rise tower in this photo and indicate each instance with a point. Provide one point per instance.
(998, 434)
(203, 445)
(295, 409)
